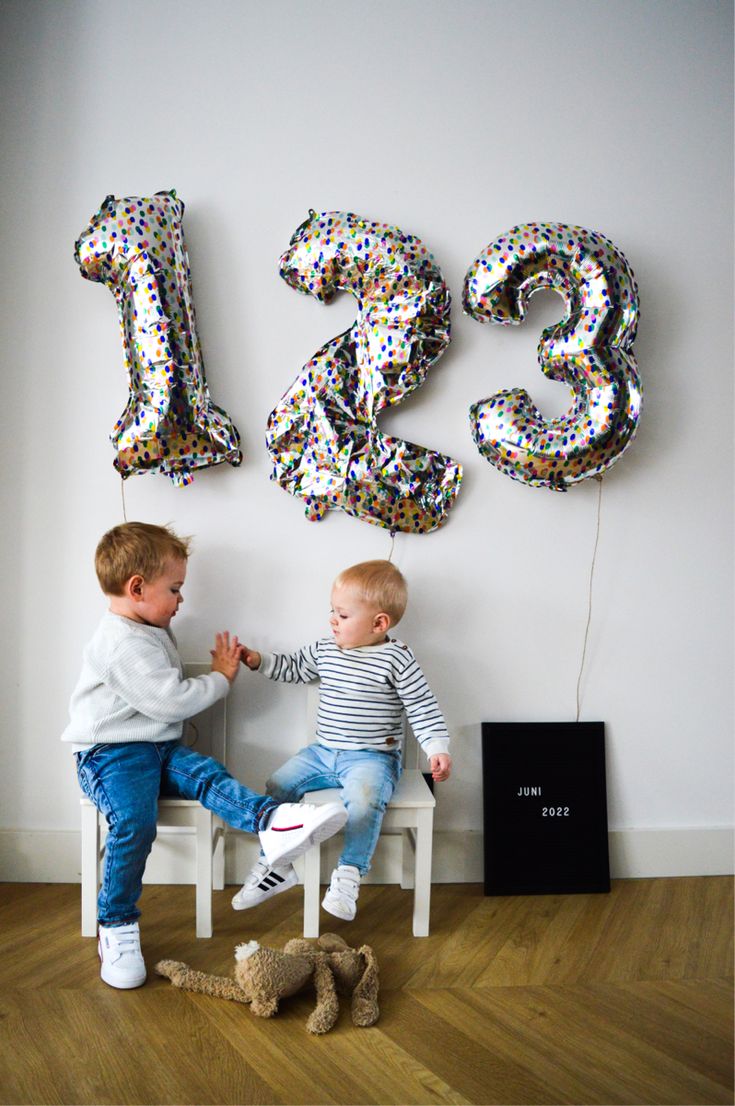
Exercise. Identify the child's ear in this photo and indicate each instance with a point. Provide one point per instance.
(382, 622)
(134, 587)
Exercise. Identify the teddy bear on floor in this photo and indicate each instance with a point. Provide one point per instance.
(264, 976)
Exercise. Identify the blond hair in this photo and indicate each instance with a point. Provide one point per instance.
(136, 549)
(379, 583)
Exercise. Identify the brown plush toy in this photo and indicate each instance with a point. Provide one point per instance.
(264, 976)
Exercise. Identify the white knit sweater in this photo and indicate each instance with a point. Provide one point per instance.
(132, 687)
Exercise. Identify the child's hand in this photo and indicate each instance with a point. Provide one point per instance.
(441, 766)
(226, 656)
(250, 658)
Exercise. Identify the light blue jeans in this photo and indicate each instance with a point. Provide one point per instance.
(367, 778)
(124, 781)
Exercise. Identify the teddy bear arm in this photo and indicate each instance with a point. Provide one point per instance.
(181, 975)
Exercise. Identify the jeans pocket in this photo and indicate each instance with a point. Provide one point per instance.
(85, 775)
(84, 781)
(83, 756)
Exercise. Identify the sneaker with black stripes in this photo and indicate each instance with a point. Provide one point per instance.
(263, 882)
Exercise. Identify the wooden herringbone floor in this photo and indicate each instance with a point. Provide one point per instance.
(620, 998)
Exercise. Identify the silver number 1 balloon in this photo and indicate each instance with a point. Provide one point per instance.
(136, 247)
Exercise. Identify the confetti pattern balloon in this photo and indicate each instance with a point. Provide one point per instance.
(323, 438)
(589, 350)
(136, 247)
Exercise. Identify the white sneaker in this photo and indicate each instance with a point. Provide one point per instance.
(262, 883)
(294, 827)
(122, 961)
(341, 897)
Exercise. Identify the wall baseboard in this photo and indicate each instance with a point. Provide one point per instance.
(51, 856)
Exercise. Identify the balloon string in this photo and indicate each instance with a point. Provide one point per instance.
(406, 731)
(122, 493)
(589, 602)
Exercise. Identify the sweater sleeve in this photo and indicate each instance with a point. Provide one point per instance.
(292, 668)
(142, 674)
(422, 710)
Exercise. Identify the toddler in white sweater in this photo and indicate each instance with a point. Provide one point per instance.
(127, 715)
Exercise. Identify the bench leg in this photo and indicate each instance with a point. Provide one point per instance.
(312, 871)
(203, 825)
(90, 868)
(422, 885)
(218, 847)
(408, 862)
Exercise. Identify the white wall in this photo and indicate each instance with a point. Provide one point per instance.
(454, 121)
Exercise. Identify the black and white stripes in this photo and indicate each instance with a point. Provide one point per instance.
(363, 693)
(271, 880)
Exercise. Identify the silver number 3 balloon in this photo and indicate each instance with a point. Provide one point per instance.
(589, 350)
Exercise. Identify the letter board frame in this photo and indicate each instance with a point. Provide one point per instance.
(545, 808)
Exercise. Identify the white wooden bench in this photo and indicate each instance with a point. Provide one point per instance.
(410, 810)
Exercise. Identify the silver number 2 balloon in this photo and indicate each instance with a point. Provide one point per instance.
(323, 437)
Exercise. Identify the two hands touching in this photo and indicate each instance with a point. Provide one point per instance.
(227, 655)
(250, 658)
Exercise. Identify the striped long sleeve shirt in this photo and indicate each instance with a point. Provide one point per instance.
(363, 694)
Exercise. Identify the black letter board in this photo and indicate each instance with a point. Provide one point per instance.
(545, 808)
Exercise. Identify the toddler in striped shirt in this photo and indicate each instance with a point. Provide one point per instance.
(368, 681)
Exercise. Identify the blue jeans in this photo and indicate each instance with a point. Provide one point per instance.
(367, 778)
(125, 781)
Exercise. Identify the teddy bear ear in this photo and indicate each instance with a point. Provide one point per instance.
(332, 942)
(365, 1009)
(297, 946)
